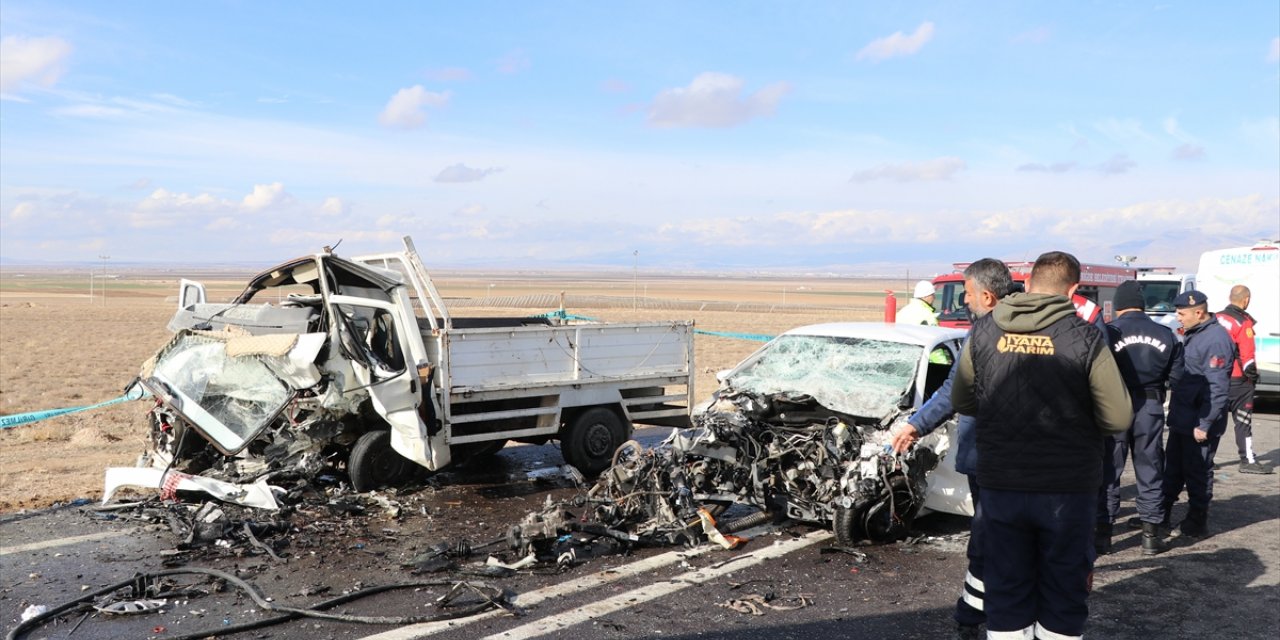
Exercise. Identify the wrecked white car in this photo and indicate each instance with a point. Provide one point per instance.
(798, 430)
(357, 365)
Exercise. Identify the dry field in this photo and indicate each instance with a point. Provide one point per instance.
(60, 349)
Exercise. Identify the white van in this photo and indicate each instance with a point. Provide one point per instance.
(1257, 267)
(1160, 285)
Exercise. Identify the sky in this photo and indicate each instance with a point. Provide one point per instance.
(740, 136)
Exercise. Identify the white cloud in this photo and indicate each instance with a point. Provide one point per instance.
(31, 61)
(713, 100)
(1176, 228)
(407, 108)
(1123, 130)
(22, 211)
(335, 206)
(165, 208)
(1172, 128)
(897, 44)
(1055, 167)
(462, 173)
(471, 209)
(514, 62)
(224, 223)
(1188, 151)
(1273, 53)
(92, 111)
(927, 171)
(264, 196)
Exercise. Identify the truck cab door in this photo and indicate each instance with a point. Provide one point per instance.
(190, 293)
(372, 336)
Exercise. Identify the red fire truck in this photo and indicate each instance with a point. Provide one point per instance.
(1097, 282)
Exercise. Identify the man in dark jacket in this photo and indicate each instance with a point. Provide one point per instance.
(1197, 410)
(1045, 390)
(985, 283)
(1149, 356)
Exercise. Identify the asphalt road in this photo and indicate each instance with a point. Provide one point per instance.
(1222, 586)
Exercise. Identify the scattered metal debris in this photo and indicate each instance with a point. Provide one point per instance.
(755, 604)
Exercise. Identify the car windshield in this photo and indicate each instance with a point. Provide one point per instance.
(860, 377)
(950, 303)
(1158, 296)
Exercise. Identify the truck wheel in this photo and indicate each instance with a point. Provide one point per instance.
(591, 439)
(374, 464)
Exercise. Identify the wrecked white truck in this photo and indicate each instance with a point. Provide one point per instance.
(324, 362)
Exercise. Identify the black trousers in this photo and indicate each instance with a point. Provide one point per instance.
(1038, 554)
(1145, 441)
(1189, 465)
(1240, 404)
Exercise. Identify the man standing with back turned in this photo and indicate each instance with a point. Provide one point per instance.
(1244, 375)
(1045, 390)
(1149, 356)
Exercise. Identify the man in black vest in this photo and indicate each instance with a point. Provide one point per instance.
(1149, 356)
(1045, 390)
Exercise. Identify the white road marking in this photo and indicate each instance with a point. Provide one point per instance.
(62, 542)
(562, 589)
(552, 624)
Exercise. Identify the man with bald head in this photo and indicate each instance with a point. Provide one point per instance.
(1244, 375)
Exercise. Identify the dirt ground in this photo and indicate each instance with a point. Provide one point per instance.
(58, 348)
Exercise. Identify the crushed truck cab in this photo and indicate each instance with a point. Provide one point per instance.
(326, 362)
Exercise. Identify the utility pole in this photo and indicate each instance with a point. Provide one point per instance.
(104, 258)
(635, 280)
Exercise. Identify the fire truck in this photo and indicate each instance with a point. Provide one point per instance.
(1098, 283)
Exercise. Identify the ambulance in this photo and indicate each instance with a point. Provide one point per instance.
(1257, 267)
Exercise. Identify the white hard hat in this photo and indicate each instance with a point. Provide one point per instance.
(924, 289)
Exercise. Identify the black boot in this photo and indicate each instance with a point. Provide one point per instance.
(1102, 538)
(1196, 524)
(1152, 539)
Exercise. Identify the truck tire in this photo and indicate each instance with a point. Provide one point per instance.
(374, 464)
(590, 440)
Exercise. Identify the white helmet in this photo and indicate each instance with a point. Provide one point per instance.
(924, 289)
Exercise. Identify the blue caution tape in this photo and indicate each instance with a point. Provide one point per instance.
(758, 337)
(564, 315)
(19, 419)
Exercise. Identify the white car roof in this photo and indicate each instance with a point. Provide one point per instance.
(905, 333)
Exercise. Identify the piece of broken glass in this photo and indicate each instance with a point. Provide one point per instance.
(236, 396)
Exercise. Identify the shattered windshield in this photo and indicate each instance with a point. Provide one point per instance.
(852, 375)
(233, 397)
